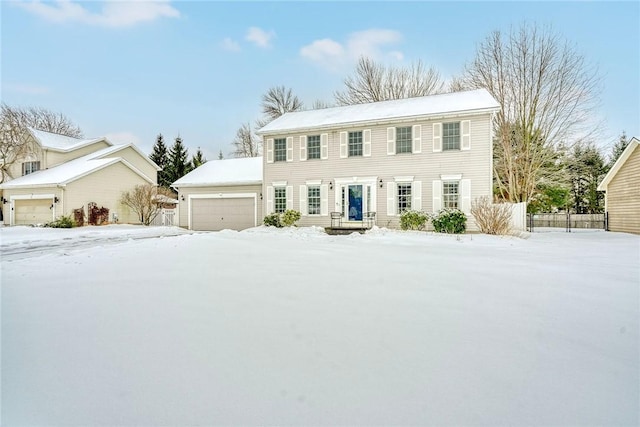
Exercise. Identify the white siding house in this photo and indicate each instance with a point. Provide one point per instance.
(423, 153)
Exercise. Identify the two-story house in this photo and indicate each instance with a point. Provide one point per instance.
(60, 173)
(423, 153)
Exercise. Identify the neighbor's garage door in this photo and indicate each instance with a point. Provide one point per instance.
(220, 214)
(34, 211)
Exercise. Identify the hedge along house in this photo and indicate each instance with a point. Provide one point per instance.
(622, 190)
(221, 194)
(60, 174)
(379, 159)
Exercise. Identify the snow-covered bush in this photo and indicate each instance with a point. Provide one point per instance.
(452, 221)
(413, 220)
(492, 218)
(273, 220)
(290, 217)
(62, 222)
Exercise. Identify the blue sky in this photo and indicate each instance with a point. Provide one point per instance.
(130, 70)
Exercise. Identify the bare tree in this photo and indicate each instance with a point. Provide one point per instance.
(374, 82)
(246, 143)
(319, 104)
(13, 124)
(279, 100)
(547, 92)
(146, 201)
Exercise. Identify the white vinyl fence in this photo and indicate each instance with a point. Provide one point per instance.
(166, 217)
(519, 216)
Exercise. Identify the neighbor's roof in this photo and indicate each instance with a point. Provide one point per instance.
(633, 145)
(72, 170)
(59, 142)
(224, 172)
(449, 103)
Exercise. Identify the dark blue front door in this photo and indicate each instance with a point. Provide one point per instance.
(355, 203)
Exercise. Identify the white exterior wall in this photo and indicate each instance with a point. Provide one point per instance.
(426, 167)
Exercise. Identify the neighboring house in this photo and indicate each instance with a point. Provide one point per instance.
(622, 190)
(221, 194)
(60, 174)
(424, 153)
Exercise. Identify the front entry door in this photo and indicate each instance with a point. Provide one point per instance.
(355, 203)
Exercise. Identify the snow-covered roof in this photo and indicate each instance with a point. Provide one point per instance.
(449, 103)
(59, 142)
(71, 170)
(633, 145)
(224, 172)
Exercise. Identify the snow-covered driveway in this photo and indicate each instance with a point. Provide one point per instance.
(274, 327)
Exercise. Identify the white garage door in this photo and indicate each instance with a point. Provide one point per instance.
(219, 214)
(35, 211)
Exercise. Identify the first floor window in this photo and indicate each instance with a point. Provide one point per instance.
(280, 150)
(355, 144)
(451, 136)
(450, 194)
(313, 147)
(403, 140)
(404, 197)
(30, 167)
(313, 199)
(280, 199)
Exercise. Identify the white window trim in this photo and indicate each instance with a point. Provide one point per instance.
(314, 182)
(457, 177)
(403, 179)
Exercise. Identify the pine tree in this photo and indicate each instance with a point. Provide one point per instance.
(160, 157)
(178, 161)
(198, 159)
(220, 155)
(618, 148)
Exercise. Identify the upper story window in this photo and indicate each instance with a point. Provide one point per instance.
(403, 140)
(450, 194)
(280, 150)
(280, 199)
(451, 136)
(313, 147)
(355, 144)
(404, 197)
(30, 167)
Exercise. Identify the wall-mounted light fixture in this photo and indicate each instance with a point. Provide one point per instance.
(4, 200)
(380, 182)
(260, 196)
(182, 197)
(330, 185)
(55, 199)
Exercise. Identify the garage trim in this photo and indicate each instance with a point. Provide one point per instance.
(254, 196)
(12, 205)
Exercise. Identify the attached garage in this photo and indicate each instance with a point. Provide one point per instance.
(33, 211)
(221, 195)
(219, 213)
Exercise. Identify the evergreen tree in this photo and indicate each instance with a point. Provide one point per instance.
(198, 159)
(178, 161)
(618, 148)
(160, 157)
(586, 167)
(220, 155)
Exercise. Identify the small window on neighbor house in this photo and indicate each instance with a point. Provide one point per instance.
(355, 144)
(403, 140)
(451, 136)
(404, 197)
(313, 199)
(280, 150)
(30, 167)
(280, 199)
(313, 147)
(450, 194)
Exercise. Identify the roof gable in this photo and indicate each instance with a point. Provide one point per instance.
(450, 103)
(241, 171)
(633, 144)
(63, 143)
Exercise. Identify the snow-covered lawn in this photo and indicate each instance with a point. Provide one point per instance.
(294, 327)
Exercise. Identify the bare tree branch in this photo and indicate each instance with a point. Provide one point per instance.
(246, 144)
(279, 100)
(146, 201)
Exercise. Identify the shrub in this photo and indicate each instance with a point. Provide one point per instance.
(491, 218)
(452, 221)
(272, 220)
(62, 222)
(290, 217)
(413, 220)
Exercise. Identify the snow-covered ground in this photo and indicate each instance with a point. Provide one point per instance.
(294, 327)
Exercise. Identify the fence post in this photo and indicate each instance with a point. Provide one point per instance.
(568, 222)
(606, 221)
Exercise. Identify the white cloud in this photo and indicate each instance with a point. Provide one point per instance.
(112, 14)
(332, 54)
(124, 137)
(260, 37)
(230, 45)
(28, 89)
